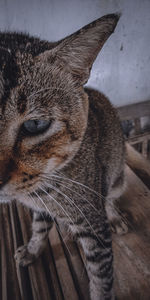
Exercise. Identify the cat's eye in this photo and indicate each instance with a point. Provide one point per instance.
(33, 127)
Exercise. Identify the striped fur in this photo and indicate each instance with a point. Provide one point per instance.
(41, 225)
(73, 169)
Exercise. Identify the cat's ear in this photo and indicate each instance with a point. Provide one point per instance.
(78, 51)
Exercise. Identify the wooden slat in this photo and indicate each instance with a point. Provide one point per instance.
(137, 110)
(3, 263)
(22, 273)
(144, 148)
(139, 138)
(138, 164)
(10, 287)
(131, 251)
(65, 277)
(76, 265)
(40, 289)
(137, 124)
(1, 220)
(51, 273)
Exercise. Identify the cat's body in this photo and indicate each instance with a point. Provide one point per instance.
(72, 165)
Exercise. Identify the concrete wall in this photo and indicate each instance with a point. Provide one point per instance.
(122, 70)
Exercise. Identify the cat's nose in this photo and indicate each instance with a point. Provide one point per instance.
(6, 169)
(3, 182)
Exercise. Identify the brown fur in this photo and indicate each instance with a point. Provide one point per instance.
(84, 141)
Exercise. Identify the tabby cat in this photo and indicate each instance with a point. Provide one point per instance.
(61, 145)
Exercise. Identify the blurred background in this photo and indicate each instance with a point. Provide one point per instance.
(122, 69)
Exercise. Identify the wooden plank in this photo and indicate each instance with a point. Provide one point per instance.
(132, 111)
(131, 251)
(137, 125)
(139, 138)
(40, 289)
(3, 261)
(51, 273)
(22, 273)
(138, 164)
(76, 265)
(144, 148)
(10, 287)
(136, 200)
(65, 277)
(1, 253)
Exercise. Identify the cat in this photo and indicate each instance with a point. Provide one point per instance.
(61, 144)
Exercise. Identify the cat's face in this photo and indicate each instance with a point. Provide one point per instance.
(42, 124)
(43, 116)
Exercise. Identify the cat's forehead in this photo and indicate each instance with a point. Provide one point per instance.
(45, 85)
(39, 88)
(33, 87)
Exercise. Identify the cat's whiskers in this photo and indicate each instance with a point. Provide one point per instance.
(81, 212)
(38, 196)
(79, 183)
(62, 178)
(59, 181)
(38, 208)
(59, 228)
(126, 221)
(57, 203)
(63, 239)
(47, 209)
(74, 182)
(91, 190)
(49, 177)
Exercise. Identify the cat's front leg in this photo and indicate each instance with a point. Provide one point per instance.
(97, 247)
(117, 218)
(41, 225)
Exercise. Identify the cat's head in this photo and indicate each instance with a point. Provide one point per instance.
(44, 109)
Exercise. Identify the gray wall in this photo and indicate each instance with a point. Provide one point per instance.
(122, 70)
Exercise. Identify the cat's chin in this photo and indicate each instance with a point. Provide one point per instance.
(5, 199)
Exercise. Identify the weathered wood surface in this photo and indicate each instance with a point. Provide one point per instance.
(138, 134)
(60, 273)
(132, 251)
(138, 164)
(132, 111)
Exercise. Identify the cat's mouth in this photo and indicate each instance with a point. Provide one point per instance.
(6, 198)
(9, 197)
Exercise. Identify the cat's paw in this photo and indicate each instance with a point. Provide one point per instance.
(119, 225)
(23, 257)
